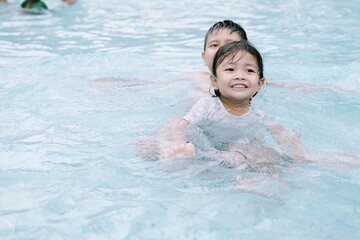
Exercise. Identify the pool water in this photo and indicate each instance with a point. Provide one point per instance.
(81, 84)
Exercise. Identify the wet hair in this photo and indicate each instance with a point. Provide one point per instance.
(226, 24)
(231, 49)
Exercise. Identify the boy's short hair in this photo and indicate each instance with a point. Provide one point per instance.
(226, 24)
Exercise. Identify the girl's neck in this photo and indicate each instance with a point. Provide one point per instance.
(236, 108)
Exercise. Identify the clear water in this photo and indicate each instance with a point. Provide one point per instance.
(69, 168)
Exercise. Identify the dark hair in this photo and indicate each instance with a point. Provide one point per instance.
(231, 49)
(226, 24)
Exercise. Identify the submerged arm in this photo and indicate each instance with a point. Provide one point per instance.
(309, 87)
(290, 142)
(178, 145)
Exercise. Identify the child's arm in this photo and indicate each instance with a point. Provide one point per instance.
(168, 142)
(178, 145)
(290, 142)
(309, 87)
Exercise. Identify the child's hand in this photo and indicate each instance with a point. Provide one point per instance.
(180, 150)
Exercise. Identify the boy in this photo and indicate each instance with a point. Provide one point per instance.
(218, 35)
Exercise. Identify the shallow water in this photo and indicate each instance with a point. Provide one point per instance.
(69, 168)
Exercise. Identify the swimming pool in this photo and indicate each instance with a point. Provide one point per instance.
(69, 168)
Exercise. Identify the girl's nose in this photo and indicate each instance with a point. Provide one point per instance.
(240, 74)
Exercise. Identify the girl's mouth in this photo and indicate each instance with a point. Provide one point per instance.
(239, 86)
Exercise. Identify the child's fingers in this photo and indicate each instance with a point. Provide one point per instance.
(190, 149)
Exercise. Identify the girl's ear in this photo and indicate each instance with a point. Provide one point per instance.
(261, 83)
(203, 56)
(213, 80)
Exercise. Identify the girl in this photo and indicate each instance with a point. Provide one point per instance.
(237, 76)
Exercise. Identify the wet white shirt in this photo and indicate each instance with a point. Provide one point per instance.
(211, 109)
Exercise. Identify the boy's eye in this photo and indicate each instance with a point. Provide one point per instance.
(229, 69)
(213, 45)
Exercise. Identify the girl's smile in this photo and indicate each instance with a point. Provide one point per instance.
(238, 86)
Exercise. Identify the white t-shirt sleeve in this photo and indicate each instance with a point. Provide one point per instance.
(198, 112)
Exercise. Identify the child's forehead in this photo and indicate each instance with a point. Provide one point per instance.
(223, 32)
(240, 57)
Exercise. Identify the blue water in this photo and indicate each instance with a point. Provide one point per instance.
(80, 85)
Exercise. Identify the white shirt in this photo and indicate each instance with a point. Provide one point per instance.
(211, 109)
(211, 124)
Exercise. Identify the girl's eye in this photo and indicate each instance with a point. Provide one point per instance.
(249, 70)
(229, 69)
(213, 45)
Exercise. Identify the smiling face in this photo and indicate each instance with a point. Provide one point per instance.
(214, 41)
(237, 78)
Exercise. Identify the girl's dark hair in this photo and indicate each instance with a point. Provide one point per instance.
(226, 24)
(231, 49)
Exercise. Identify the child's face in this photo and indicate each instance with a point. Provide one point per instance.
(214, 41)
(238, 78)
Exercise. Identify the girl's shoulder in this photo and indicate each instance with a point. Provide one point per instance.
(202, 110)
(261, 116)
(257, 111)
(209, 101)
